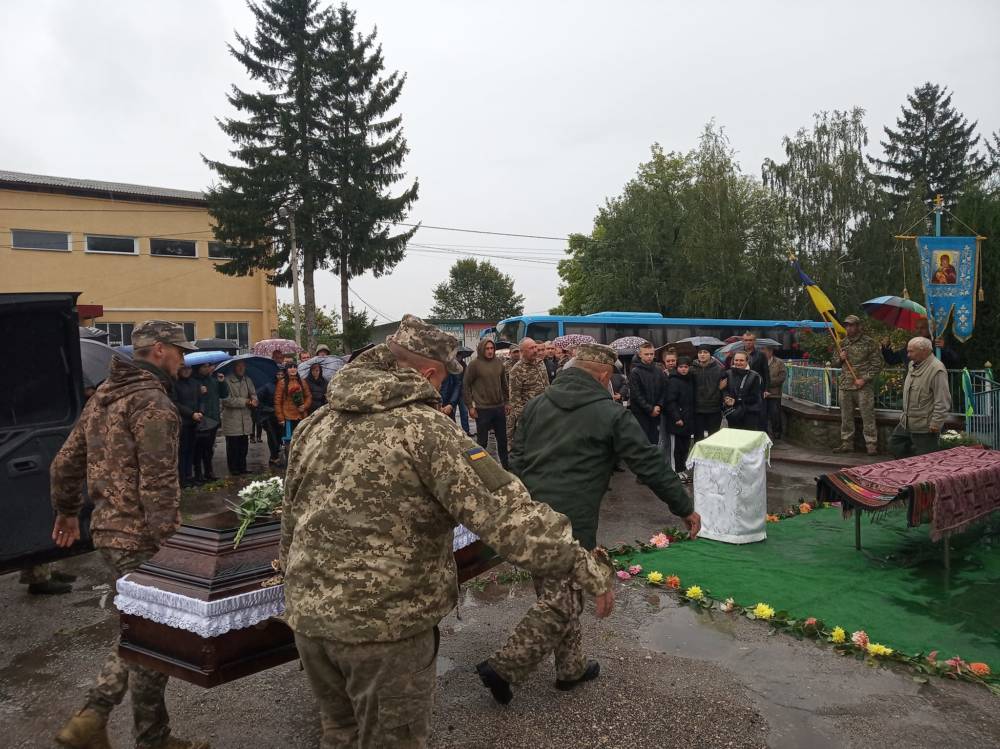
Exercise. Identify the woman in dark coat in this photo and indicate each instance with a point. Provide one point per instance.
(316, 383)
(741, 401)
(680, 412)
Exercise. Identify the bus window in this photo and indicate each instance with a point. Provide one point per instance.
(678, 334)
(512, 331)
(594, 331)
(543, 331)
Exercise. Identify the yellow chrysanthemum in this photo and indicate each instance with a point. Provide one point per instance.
(838, 635)
(876, 648)
(694, 593)
(763, 611)
(655, 577)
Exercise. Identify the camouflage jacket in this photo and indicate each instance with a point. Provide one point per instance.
(377, 479)
(865, 357)
(526, 381)
(125, 448)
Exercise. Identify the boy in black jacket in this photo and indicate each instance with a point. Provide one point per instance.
(647, 389)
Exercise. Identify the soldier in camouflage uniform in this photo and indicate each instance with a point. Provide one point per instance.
(860, 359)
(565, 450)
(377, 479)
(124, 448)
(528, 378)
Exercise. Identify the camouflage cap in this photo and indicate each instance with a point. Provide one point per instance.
(851, 319)
(514, 348)
(597, 353)
(160, 331)
(427, 340)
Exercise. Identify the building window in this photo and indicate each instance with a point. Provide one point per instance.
(189, 329)
(234, 331)
(116, 245)
(32, 239)
(172, 248)
(119, 333)
(220, 251)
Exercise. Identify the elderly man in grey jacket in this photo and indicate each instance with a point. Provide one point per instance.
(926, 402)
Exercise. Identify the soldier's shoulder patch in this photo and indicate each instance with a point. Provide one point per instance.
(488, 470)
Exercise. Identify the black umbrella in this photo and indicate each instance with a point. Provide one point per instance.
(96, 358)
(93, 334)
(260, 369)
(217, 344)
(359, 351)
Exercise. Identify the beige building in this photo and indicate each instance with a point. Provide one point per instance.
(133, 252)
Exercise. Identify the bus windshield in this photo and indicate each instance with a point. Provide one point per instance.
(511, 331)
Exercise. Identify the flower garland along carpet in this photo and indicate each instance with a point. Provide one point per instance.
(894, 592)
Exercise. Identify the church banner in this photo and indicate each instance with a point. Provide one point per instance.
(949, 267)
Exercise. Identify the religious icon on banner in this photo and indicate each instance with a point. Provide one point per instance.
(949, 268)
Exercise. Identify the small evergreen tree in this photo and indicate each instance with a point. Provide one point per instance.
(476, 290)
(932, 151)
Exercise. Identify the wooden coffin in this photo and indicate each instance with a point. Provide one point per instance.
(199, 562)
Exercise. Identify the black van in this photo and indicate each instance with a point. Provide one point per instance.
(41, 396)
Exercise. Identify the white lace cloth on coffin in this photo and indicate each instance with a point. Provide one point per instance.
(214, 618)
(204, 618)
(732, 499)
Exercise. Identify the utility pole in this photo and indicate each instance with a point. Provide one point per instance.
(293, 258)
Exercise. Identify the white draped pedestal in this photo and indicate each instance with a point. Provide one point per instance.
(730, 485)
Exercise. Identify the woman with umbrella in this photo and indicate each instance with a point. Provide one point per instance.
(291, 402)
(237, 420)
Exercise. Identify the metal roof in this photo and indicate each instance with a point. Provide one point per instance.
(96, 188)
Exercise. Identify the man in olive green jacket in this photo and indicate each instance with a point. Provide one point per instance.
(926, 402)
(565, 449)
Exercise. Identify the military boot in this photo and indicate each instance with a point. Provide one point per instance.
(85, 730)
(844, 447)
(172, 742)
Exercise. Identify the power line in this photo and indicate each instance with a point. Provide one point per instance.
(481, 231)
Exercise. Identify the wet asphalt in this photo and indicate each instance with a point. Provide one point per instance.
(671, 676)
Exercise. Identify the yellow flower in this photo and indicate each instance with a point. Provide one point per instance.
(694, 593)
(838, 635)
(763, 611)
(655, 577)
(875, 648)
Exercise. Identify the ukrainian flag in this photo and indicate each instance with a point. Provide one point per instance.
(821, 301)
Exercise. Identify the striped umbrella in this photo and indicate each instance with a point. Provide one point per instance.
(896, 311)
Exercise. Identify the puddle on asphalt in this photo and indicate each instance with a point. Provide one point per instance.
(788, 698)
(784, 490)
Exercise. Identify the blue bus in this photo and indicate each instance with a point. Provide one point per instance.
(654, 327)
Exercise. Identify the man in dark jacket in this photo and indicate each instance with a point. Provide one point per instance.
(742, 397)
(451, 399)
(709, 382)
(680, 413)
(757, 361)
(213, 389)
(187, 398)
(565, 449)
(268, 419)
(647, 387)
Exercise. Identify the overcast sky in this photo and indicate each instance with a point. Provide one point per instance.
(521, 117)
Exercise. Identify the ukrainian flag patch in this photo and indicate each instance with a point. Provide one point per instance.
(475, 453)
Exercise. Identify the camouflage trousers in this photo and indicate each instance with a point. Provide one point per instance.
(552, 625)
(864, 401)
(149, 708)
(512, 418)
(376, 694)
(40, 573)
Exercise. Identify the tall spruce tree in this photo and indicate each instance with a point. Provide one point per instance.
(932, 151)
(276, 147)
(362, 157)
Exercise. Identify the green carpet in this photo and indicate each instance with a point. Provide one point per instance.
(895, 588)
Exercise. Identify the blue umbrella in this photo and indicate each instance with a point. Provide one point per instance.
(124, 349)
(260, 369)
(197, 358)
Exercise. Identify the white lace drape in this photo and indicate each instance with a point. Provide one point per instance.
(204, 618)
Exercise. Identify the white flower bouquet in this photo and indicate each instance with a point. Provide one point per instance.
(260, 498)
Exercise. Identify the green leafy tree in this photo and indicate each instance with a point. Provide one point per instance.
(277, 141)
(476, 290)
(357, 329)
(362, 159)
(932, 150)
(327, 329)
